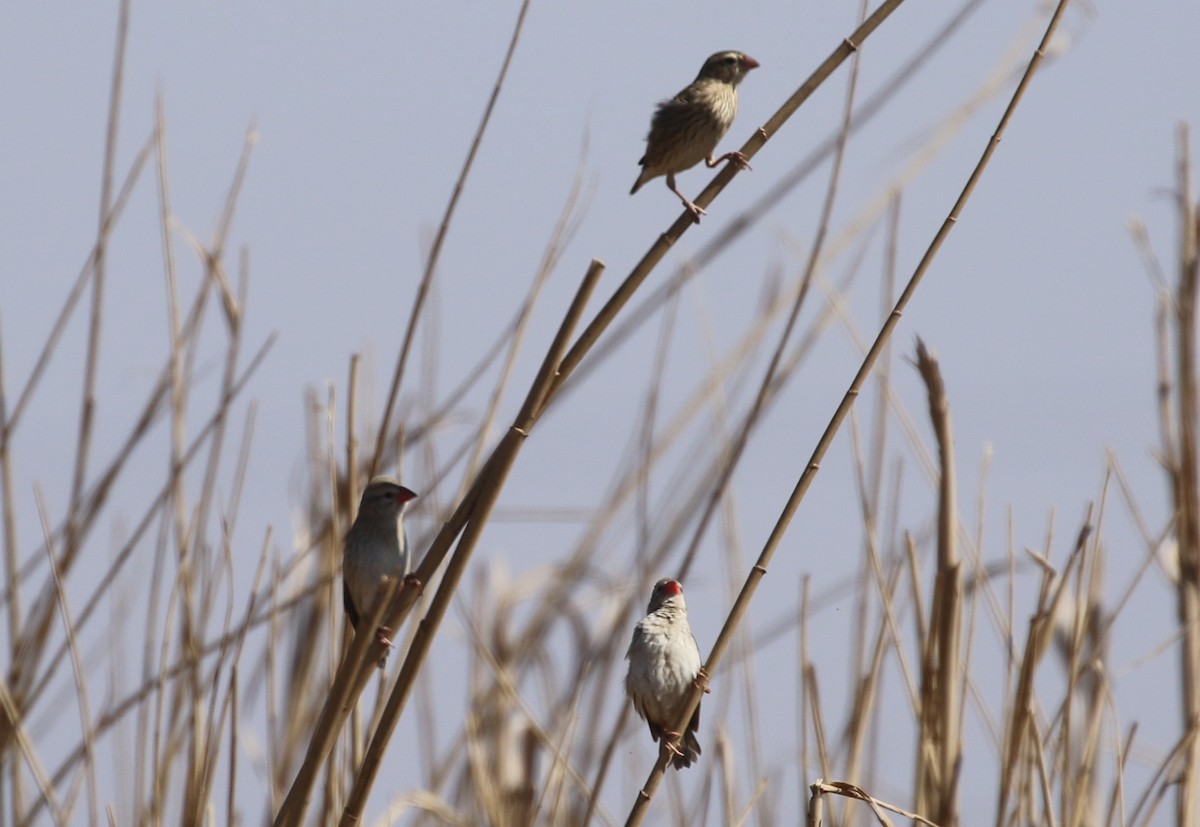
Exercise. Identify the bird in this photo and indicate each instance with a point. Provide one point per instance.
(375, 552)
(664, 663)
(686, 129)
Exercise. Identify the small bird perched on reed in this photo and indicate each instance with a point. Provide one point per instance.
(375, 552)
(686, 129)
(664, 662)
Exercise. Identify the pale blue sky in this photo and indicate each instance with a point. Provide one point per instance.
(1037, 306)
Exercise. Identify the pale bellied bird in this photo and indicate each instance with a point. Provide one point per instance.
(375, 553)
(686, 129)
(664, 663)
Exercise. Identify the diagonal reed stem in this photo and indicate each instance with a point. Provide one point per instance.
(742, 603)
(490, 482)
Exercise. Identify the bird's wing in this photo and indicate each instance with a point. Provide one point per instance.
(639, 640)
(694, 724)
(348, 602)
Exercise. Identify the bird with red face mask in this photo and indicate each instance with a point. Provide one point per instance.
(664, 663)
(375, 552)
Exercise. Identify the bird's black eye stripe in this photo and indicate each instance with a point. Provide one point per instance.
(731, 60)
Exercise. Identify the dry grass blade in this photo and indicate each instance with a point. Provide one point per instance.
(1020, 749)
(86, 273)
(821, 788)
(88, 407)
(939, 751)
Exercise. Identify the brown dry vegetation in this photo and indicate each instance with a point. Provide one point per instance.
(540, 737)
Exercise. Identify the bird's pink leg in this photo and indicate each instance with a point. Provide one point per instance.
(692, 208)
(739, 160)
(701, 681)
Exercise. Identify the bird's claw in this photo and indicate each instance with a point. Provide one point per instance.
(694, 210)
(736, 158)
(381, 637)
(668, 743)
(411, 579)
(701, 682)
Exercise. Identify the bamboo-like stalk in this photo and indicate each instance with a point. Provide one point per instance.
(192, 686)
(739, 442)
(489, 482)
(637, 813)
(654, 255)
(345, 689)
(1186, 468)
(582, 345)
(559, 236)
(435, 251)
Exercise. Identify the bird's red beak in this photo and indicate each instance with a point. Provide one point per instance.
(749, 63)
(404, 495)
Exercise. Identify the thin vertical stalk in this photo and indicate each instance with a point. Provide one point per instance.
(435, 251)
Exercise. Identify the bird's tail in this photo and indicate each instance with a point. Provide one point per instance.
(690, 747)
(642, 177)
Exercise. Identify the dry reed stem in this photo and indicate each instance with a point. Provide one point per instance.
(435, 250)
(28, 751)
(939, 751)
(202, 605)
(734, 453)
(349, 681)
(487, 487)
(821, 788)
(629, 286)
(1018, 746)
(560, 236)
(82, 280)
(85, 515)
(91, 509)
(10, 571)
(91, 360)
(488, 480)
(77, 669)
(637, 813)
(861, 722)
(100, 489)
(740, 224)
(1186, 490)
(24, 642)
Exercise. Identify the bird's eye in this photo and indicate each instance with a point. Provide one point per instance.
(730, 60)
